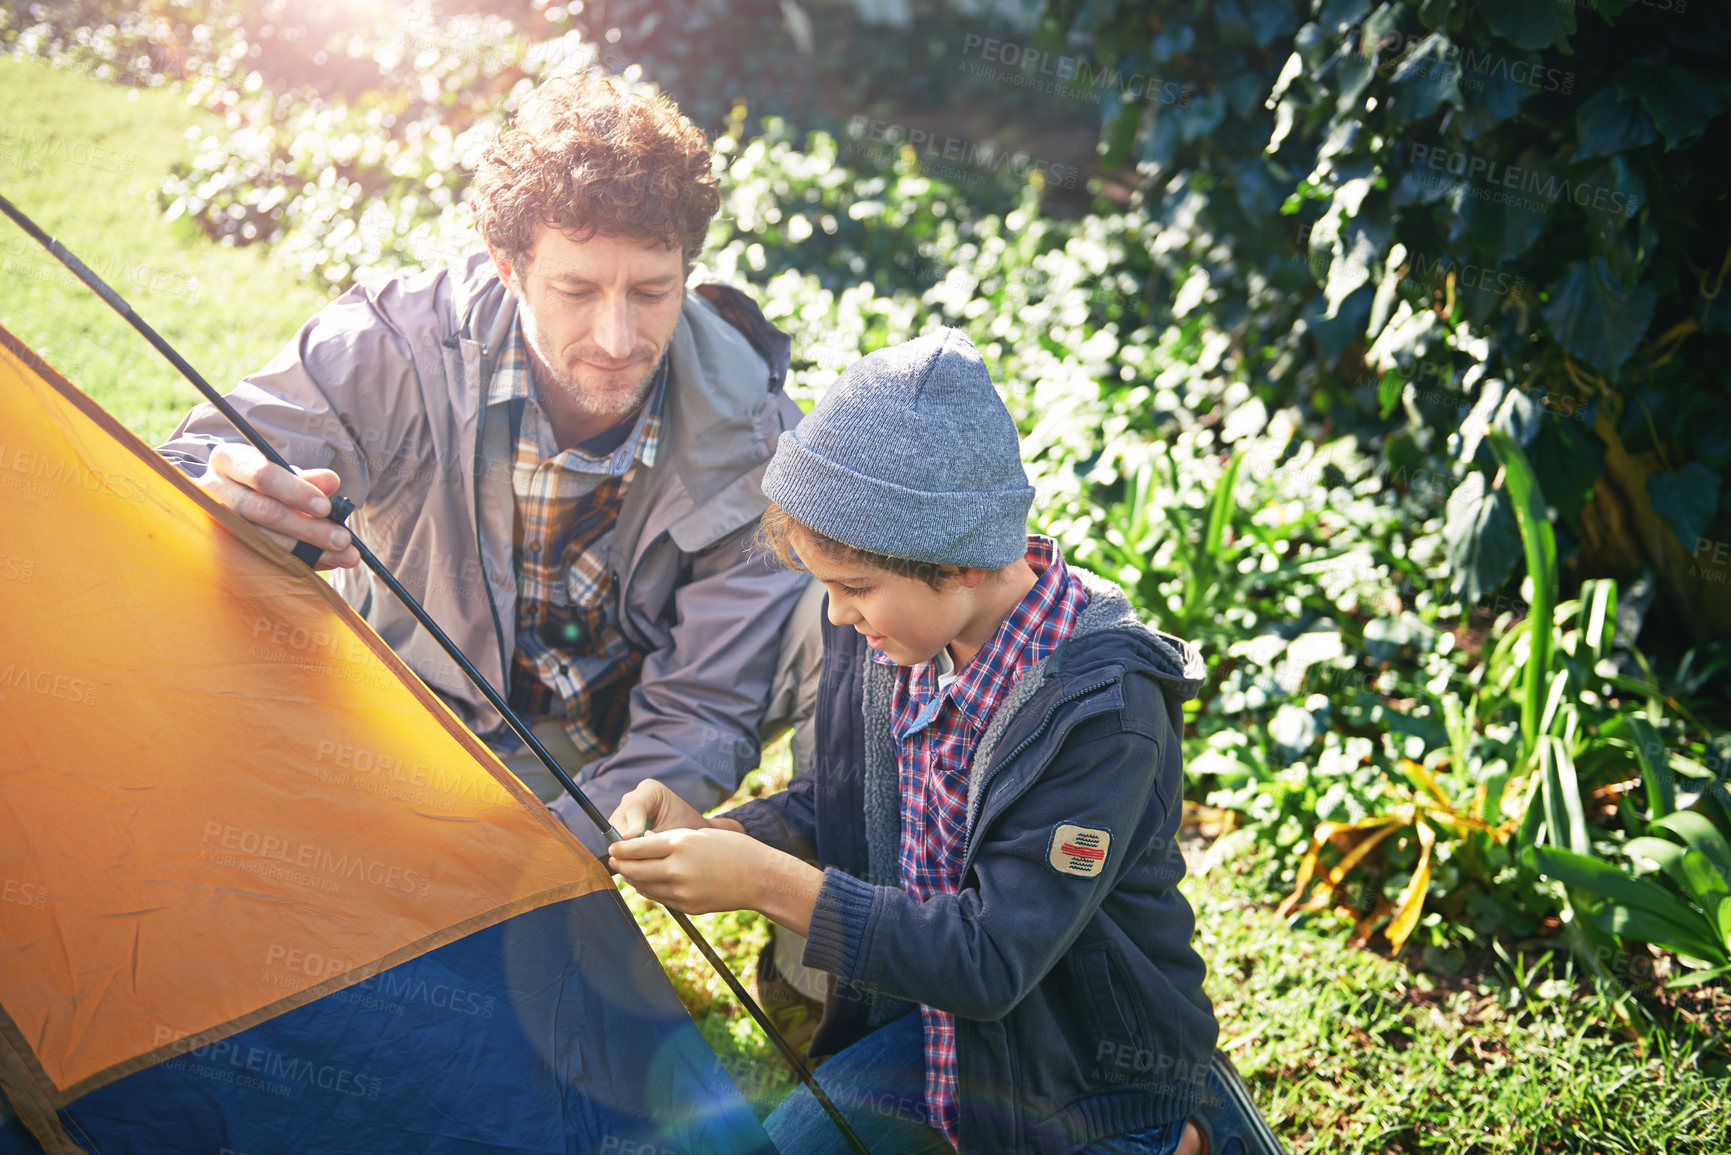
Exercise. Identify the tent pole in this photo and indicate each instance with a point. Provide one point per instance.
(340, 509)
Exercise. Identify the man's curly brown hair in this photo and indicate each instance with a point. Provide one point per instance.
(585, 157)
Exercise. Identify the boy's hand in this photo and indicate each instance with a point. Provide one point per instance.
(652, 806)
(695, 871)
(700, 871)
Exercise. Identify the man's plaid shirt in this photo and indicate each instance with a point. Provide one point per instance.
(937, 717)
(572, 659)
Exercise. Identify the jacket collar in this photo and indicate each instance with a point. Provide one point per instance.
(725, 361)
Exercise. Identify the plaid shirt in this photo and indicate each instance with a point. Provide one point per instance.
(572, 659)
(937, 715)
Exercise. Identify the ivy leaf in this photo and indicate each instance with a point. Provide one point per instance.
(1496, 219)
(1339, 15)
(1356, 256)
(1594, 318)
(1334, 335)
(1483, 539)
(1519, 417)
(1490, 91)
(1257, 22)
(1687, 499)
(1531, 24)
(1353, 72)
(1201, 117)
(1465, 442)
(1609, 124)
(1388, 392)
(1680, 102)
(1711, 435)
(1254, 185)
(1568, 459)
(1426, 80)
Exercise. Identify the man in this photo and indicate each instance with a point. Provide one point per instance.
(558, 450)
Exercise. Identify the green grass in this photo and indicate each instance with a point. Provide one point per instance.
(81, 157)
(1346, 1051)
(1352, 1052)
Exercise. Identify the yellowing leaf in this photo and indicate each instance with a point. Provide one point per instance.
(1411, 903)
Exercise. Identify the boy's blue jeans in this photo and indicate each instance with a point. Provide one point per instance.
(879, 1083)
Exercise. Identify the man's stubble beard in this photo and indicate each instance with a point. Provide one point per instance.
(549, 372)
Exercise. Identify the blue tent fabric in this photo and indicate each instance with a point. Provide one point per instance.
(552, 1032)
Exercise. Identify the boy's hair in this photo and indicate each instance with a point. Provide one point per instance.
(776, 534)
(584, 157)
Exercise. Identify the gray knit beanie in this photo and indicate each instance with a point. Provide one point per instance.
(910, 454)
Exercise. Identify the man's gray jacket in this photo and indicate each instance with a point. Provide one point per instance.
(386, 386)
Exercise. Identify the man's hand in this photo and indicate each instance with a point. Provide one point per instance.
(652, 806)
(289, 507)
(700, 871)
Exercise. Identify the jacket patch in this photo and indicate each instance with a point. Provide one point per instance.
(1079, 850)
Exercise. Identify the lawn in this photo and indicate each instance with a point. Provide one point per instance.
(1347, 1050)
(82, 159)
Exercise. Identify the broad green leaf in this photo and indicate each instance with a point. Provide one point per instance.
(1339, 15)
(1519, 416)
(1649, 899)
(1646, 926)
(1702, 882)
(1594, 318)
(1688, 499)
(1656, 772)
(1668, 854)
(1696, 978)
(1700, 833)
(1567, 456)
(1502, 222)
(1483, 539)
(1531, 23)
(1599, 615)
(1680, 101)
(1554, 702)
(1426, 79)
(1564, 816)
(1200, 117)
(1688, 868)
(1357, 256)
(1609, 124)
(1539, 542)
(1493, 86)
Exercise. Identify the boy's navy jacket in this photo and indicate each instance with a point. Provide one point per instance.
(1078, 998)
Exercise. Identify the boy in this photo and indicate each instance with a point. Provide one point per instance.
(994, 802)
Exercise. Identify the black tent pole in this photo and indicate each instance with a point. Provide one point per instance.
(341, 507)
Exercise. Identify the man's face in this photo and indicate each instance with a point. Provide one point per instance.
(597, 315)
